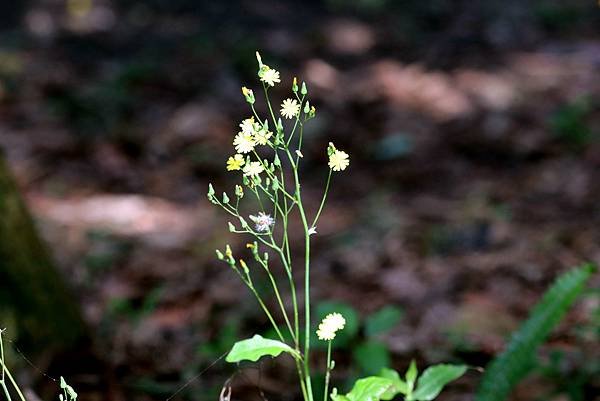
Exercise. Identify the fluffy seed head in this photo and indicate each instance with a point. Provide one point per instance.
(330, 326)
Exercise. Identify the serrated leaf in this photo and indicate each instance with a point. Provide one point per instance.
(370, 388)
(382, 320)
(399, 384)
(433, 380)
(254, 348)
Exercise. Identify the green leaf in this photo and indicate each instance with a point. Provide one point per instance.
(383, 320)
(253, 348)
(399, 384)
(411, 375)
(338, 397)
(433, 380)
(371, 357)
(506, 370)
(370, 388)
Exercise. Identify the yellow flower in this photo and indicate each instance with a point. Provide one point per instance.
(269, 75)
(244, 143)
(247, 126)
(290, 108)
(253, 169)
(235, 162)
(338, 160)
(262, 136)
(330, 326)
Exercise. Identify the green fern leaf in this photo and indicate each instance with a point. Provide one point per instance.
(507, 369)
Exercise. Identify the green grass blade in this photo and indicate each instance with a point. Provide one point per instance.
(512, 365)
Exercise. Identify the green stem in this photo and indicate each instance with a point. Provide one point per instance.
(6, 392)
(269, 105)
(248, 283)
(306, 282)
(327, 374)
(279, 300)
(301, 378)
(323, 199)
(12, 380)
(287, 143)
(2, 355)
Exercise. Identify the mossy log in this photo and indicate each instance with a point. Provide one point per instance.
(33, 293)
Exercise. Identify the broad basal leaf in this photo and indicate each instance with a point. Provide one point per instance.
(399, 384)
(433, 380)
(370, 388)
(256, 347)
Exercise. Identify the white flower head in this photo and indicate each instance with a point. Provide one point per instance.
(269, 76)
(330, 326)
(290, 108)
(248, 126)
(312, 230)
(338, 160)
(253, 169)
(244, 143)
(262, 221)
(262, 135)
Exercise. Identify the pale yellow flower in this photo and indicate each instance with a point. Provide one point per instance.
(330, 326)
(253, 169)
(338, 160)
(262, 136)
(290, 108)
(247, 126)
(269, 76)
(235, 162)
(244, 143)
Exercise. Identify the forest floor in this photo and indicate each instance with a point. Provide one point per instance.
(472, 185)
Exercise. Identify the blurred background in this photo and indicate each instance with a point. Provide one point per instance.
(474, 135)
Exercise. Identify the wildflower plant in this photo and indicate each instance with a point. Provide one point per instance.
(267, 158)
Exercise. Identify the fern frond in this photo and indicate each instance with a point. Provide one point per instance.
(512, 365)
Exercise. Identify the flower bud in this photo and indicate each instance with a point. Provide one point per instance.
(249, 95)
(303, 90)
(259, 59)
(239, 191)
(244, 266)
